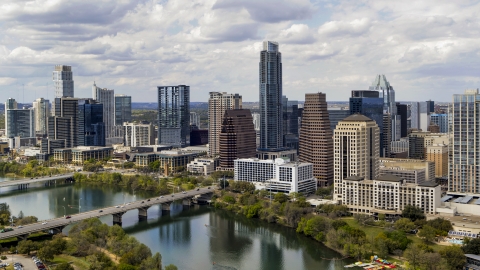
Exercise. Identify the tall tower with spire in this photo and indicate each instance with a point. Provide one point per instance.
(271, 109)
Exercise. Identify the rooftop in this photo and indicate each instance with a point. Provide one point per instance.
(389, 177)
(354, 178)
(428, 184)
(357, 118)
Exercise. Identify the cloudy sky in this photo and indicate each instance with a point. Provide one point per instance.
(428, 49)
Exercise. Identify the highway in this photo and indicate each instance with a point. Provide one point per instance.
(58, 222)
(34, 180)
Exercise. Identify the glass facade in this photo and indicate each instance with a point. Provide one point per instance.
(271, 107)
(123, 109)
(174, 115)
(464, 171)
(91, 128)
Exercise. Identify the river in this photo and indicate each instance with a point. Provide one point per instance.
(192, 238)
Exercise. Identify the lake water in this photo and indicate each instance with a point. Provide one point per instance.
(191, 238)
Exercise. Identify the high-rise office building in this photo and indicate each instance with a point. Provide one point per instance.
(370, 104)
(174, 115)
(336, 115)
(107, 98)
(20, 123)
(290, 116)
(256, 121)
(356, 150)
(386, 92)
(441, 120)
(218, 103)
(316, 143)
(63, 125)
(464, 163)
(194, 119)
(41, 109)
(271, 108)
(10, 104)
(386, 135)
(402, 111)
(237, 137)
(63, 81)
(91, 128)
(123, 109)
(430, 106)
(139, 134)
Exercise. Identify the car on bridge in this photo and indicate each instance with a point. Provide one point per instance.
(44, 223)
(67, 217)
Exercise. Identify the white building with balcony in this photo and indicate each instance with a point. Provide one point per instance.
(279, 175)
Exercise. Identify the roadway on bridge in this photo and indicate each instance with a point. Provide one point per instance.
(34, 180)
(58, 222)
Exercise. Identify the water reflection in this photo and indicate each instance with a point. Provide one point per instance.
(231, 241)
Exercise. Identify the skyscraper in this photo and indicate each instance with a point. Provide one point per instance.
(41, 109)
(10, 104)
(464, 163)
(441, 120)
(91, 128)
(20, 123)
(218, 103)
(123, 109)
(356, 150)
(63, 125)
(402, 110)
(316, 142)
(107, 98)
(370, 104)
(271, 117)
(237, 137)
(386, 92)
(63, 81)
(174, 115)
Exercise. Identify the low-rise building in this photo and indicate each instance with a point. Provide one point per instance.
(279, 175)
(388, 194)
(80, 154)
(203, 166)
(473, 262)
(170, 161)
(412, 170)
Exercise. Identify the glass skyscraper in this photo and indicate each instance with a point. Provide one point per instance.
(174, 115)
(464, 163)
(91, 128)
(123, 109)
(271, 108)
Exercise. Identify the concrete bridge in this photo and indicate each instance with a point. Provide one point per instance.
(58, 224)
(48, 180)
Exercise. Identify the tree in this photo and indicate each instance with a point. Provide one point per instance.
(171, 267)
(46, 253)
(454, 256)
(152, 263)
(442, 226)
(26, 246)
(20, 215)
(471, 246)
(427, 233)
(223, 184)
(404, 224)
(280, 197)
(64, 266)
(431, 261)
(413, 212)
(99, 261)
(414, 255)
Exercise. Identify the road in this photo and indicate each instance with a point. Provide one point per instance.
(34, 180)
(58, 222)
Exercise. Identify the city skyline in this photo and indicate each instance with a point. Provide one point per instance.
(328, 47)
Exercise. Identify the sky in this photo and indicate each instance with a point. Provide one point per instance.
(427, 49)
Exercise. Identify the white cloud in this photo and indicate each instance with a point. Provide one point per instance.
(427, 49)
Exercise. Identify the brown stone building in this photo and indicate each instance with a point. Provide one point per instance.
(237, 138)
(316, 138)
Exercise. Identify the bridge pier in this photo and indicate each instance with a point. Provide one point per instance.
(166, 208)
(117, 218)
(186, 203)
(22, 237)
(23, 186)
(56, 230)
(142, 213)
